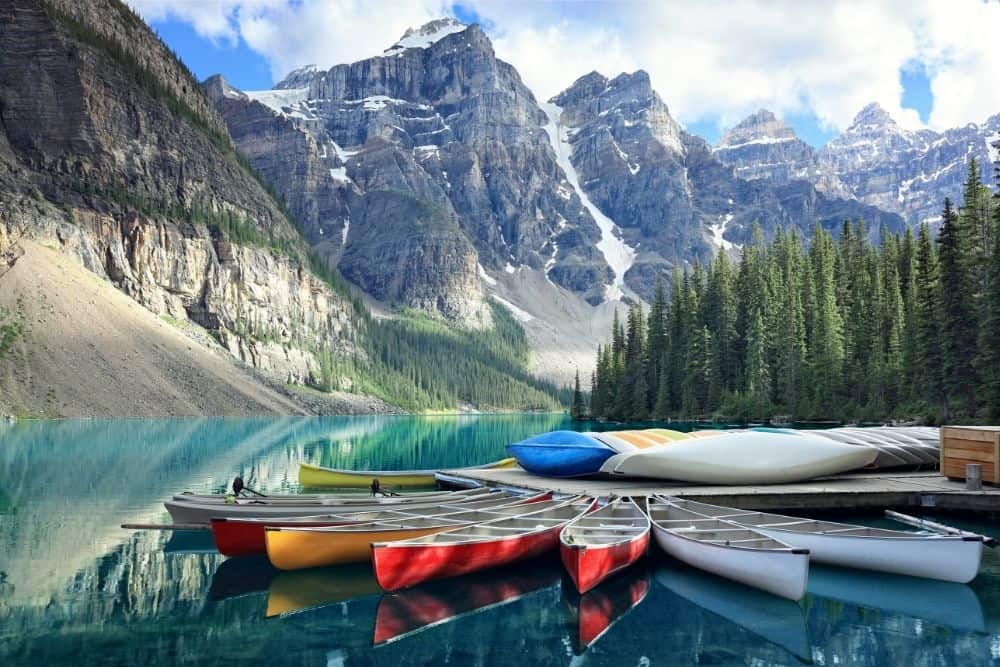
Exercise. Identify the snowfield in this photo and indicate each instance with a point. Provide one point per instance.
(618, 254)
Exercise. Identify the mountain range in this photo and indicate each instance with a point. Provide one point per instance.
(429, 177)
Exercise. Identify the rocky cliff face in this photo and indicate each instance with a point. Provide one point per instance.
(875, 160)
(762, 146)
(439, 119)
(669, 196)
(111, 151)
(909, 172)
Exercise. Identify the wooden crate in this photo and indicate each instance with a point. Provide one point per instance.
(970, 444)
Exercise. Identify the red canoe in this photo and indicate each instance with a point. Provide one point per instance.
(245, 537)
(468, 549)
(597, 545)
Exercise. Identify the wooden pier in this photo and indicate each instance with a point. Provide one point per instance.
(874, 490)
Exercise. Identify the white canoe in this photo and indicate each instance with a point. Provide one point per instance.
(750, 457)
(202, 512)
(325, 498)
(918, 554)
(729, 550)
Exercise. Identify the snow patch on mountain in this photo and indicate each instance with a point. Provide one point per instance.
(425, 35)
(617, 253)
(993, 147)
(718, 229)
(283, 101)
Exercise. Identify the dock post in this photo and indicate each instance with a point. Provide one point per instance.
(974, 476)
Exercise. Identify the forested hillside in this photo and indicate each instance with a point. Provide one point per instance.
(836, 328)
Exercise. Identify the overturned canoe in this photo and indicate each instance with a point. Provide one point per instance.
(749, 457)
(245, 536)
(729, 550)
(475, 547)
(296, 548)
(314, 476)
(561, 454)
(941, 556)
(601, 543)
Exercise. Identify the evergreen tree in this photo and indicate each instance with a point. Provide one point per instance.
(578, 410)
(958, 324)
(989, 331)
(927, 360)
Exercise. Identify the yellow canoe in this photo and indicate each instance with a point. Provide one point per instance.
(299, 548)
(314, 476)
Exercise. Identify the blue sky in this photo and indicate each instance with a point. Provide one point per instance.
(713, 64)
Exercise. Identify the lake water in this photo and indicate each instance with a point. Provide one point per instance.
(77, 589)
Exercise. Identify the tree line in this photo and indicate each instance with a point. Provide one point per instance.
(836, 328)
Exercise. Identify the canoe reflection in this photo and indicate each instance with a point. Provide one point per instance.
(299, 590)
(236, 577)
(772, 618)
(939, 602)
(599, 608)
(412, 610)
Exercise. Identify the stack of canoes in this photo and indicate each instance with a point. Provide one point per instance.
(761, 455)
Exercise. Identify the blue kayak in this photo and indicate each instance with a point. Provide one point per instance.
(561, 454)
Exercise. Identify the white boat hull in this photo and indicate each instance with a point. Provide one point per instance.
(782, 573)
(947, 558)
(750, 457)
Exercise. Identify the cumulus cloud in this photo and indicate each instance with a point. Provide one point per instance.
(711, 62)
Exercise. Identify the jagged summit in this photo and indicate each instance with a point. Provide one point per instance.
(873, 115)
(425, 35)
(760, 127)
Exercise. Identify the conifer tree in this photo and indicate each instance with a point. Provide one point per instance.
(989, 331)
(958, 324)
(578, 410)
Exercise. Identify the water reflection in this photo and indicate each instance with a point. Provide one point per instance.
(597, 610)
(301, 590)
(76, 588)
(776, 620)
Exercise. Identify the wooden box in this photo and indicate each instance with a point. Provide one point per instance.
(970, 444)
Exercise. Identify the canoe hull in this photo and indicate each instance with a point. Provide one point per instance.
(311, 476)
(561, 454)
(782, 573)
(743, 458)
(945, 558)
(588, 566)
(402, 566)
(560, 461)
(246, 538)
(314, 476)
(300, 549)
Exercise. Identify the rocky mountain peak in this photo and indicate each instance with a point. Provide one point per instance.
(873, 116)
(298, 78)
(760, 127)
(426, 35)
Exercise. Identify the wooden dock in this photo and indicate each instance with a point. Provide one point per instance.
(875, 490)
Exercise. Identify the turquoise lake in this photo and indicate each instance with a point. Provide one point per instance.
(77, 589)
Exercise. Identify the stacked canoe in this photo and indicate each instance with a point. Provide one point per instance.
(752, 456)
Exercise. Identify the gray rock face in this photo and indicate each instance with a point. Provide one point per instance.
(762, 146)
(131, 183)
(874, 161)
(440, 118)
(673, 198)
(901, 170)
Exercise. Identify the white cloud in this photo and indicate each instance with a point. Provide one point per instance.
(711, 62)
